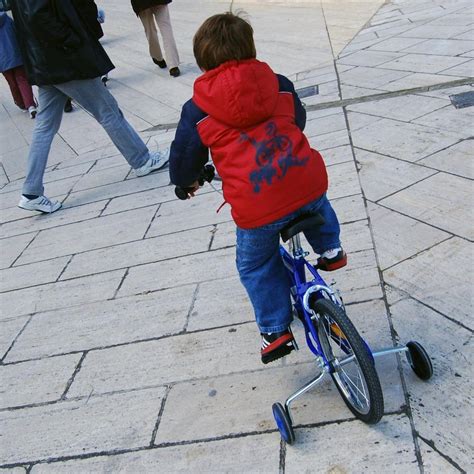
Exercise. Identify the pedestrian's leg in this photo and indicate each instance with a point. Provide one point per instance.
(14, 89)
(25, 87)
(94, 97)
(148, 21)
(163, 21)
(264, 277)
(48, 120)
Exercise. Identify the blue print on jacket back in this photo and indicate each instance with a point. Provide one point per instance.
(278, 149)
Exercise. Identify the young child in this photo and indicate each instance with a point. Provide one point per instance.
(11, 66)
(252, 120)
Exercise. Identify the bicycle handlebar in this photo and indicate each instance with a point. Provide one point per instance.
(207, 175)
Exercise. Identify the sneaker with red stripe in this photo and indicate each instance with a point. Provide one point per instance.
(276, 345)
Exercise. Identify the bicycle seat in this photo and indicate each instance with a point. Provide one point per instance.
(301, 223)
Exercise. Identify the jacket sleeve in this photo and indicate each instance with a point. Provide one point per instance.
(49, 28)
(300, 113)
(89, 13)
(188, 155)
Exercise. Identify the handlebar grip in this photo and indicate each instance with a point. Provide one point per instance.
(182, 193)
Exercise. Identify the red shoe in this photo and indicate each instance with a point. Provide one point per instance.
(334, 263)
(276, 345)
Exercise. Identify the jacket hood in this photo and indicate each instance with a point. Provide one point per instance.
(238, 93)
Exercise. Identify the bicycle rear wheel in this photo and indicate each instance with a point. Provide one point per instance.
(354, 372)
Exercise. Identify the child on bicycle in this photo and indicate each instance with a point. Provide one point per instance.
(252, 120)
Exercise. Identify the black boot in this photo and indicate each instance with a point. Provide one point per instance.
(161, 63)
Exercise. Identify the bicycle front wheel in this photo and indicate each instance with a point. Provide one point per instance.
(354, 372)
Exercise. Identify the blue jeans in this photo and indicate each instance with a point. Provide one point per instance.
(95, 98)
(261, 268)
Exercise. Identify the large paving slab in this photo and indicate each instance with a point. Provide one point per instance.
(433, 462)
(424, 201)
(140, 199)
(35, 382)
(42, 222)
(120, 188)
(60, 295)
(22, 276)
(440, 405)
(171, 273)
(405, 108)
(99, 424)
(9, 331)
(91, 234)
(437, 278)
(167, 360)
(259, 453)
(102, 324)
(401, 140)
(220, 303)
(196, 212)
(457, 159)
(458, 121)
(130, 254)
(407, 238)
(13, 247)
(387, 446)
(382, 176)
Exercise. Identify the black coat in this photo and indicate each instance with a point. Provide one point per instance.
(140, 5)
(58, 40)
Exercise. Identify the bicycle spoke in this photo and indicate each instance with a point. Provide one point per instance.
(364, 395)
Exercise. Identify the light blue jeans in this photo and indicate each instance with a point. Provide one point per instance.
(261, 268)
(96, 99)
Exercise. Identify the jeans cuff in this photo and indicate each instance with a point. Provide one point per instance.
(281, 327)
(330, 246)
(146, 157)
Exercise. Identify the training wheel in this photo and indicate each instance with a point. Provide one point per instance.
(283, 423)
(419, 360)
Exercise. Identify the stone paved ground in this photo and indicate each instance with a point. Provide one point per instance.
(126, 340)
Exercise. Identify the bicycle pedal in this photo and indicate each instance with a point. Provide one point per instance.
(293, 342)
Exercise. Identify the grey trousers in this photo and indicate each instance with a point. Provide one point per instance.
(161, 15)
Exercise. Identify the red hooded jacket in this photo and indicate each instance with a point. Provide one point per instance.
(267, 166)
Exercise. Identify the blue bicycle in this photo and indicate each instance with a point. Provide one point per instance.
(330, 335)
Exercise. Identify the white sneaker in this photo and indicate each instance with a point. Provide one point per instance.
(41, 203)
(156, 161)
(32, 111)
(332, 253)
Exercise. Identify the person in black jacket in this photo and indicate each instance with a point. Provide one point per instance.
(149, 12)
(63, 57)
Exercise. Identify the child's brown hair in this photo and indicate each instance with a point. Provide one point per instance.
(223, 37)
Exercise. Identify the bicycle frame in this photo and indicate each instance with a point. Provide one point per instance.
(301, 291)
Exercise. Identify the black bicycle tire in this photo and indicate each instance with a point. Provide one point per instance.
(364, 360)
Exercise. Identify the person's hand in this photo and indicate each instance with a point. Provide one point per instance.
(100, 15)
(195, 187)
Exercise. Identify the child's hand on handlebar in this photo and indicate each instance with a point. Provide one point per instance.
(194, 187)
(206, 175)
